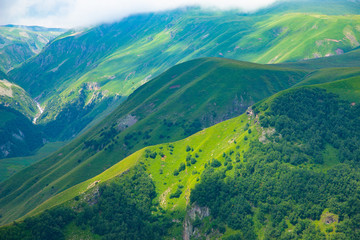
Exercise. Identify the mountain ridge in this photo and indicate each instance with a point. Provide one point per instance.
(103, 62)
(146, 119)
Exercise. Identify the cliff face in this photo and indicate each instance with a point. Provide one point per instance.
(193, 213)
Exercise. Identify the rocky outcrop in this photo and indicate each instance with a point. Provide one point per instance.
(194, 212)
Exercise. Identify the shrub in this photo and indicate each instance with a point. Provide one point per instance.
(215, 163)
(176, 194)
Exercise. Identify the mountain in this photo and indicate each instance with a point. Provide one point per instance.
(10, 165)
(19, 43)
(347, 60)
(286, 169)
(332, 7)
(13, 96)
(82, 69)
(18, 136)
(168, 108)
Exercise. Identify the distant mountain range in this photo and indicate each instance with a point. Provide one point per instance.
(19, 43)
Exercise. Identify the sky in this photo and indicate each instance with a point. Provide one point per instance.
(80, 13)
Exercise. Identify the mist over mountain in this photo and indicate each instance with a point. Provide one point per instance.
(84, 13)
(169, 120)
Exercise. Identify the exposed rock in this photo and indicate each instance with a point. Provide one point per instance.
(92, 197)
(339, 51)
(316, 55)
(19, 136)
(92, 86)
(126, 121)
(194, 212)
(58, 66)
(329, 218)
(266, 133)
(352, 38)
(5, 149)
(5, 88)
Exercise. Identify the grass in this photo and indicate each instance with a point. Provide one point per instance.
(193, 89)
(10, 166)
(227, 138)
(179, 97)
(13, 96)
(330, 75)
(327, 228)
(155, 42)
(73, 232)
(68, 194)
(208, 144)
(21, 43)
(347, 89)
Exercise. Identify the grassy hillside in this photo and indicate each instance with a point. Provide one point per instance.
(256, 176)
(299, 36)
(97, 64)
(19, 43)
(13, 96)
(332, 7)
(205, 144)
(180, 102)
(10, 166)
(169, 108)
(349, 59)
(18, 136)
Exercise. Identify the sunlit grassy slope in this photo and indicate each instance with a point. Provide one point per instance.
(180, 102)
(205, 145)
(231, 138)
(15, 97)
(183, 100)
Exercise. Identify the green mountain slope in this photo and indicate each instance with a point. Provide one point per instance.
(349, 59)
(94, 65)
(152, 114)
(19, 43)
(332, 7)
(181, 101)
(278, 172)
(168, 108)
(13, 96)
(9, 166)
(18, 136)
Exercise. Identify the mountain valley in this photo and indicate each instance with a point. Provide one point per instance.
(187, 124)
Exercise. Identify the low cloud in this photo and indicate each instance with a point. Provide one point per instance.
(75, 13)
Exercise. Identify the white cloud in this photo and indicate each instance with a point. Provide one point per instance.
(73, 13)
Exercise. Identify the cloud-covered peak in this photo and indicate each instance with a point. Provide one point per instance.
(73, 13)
